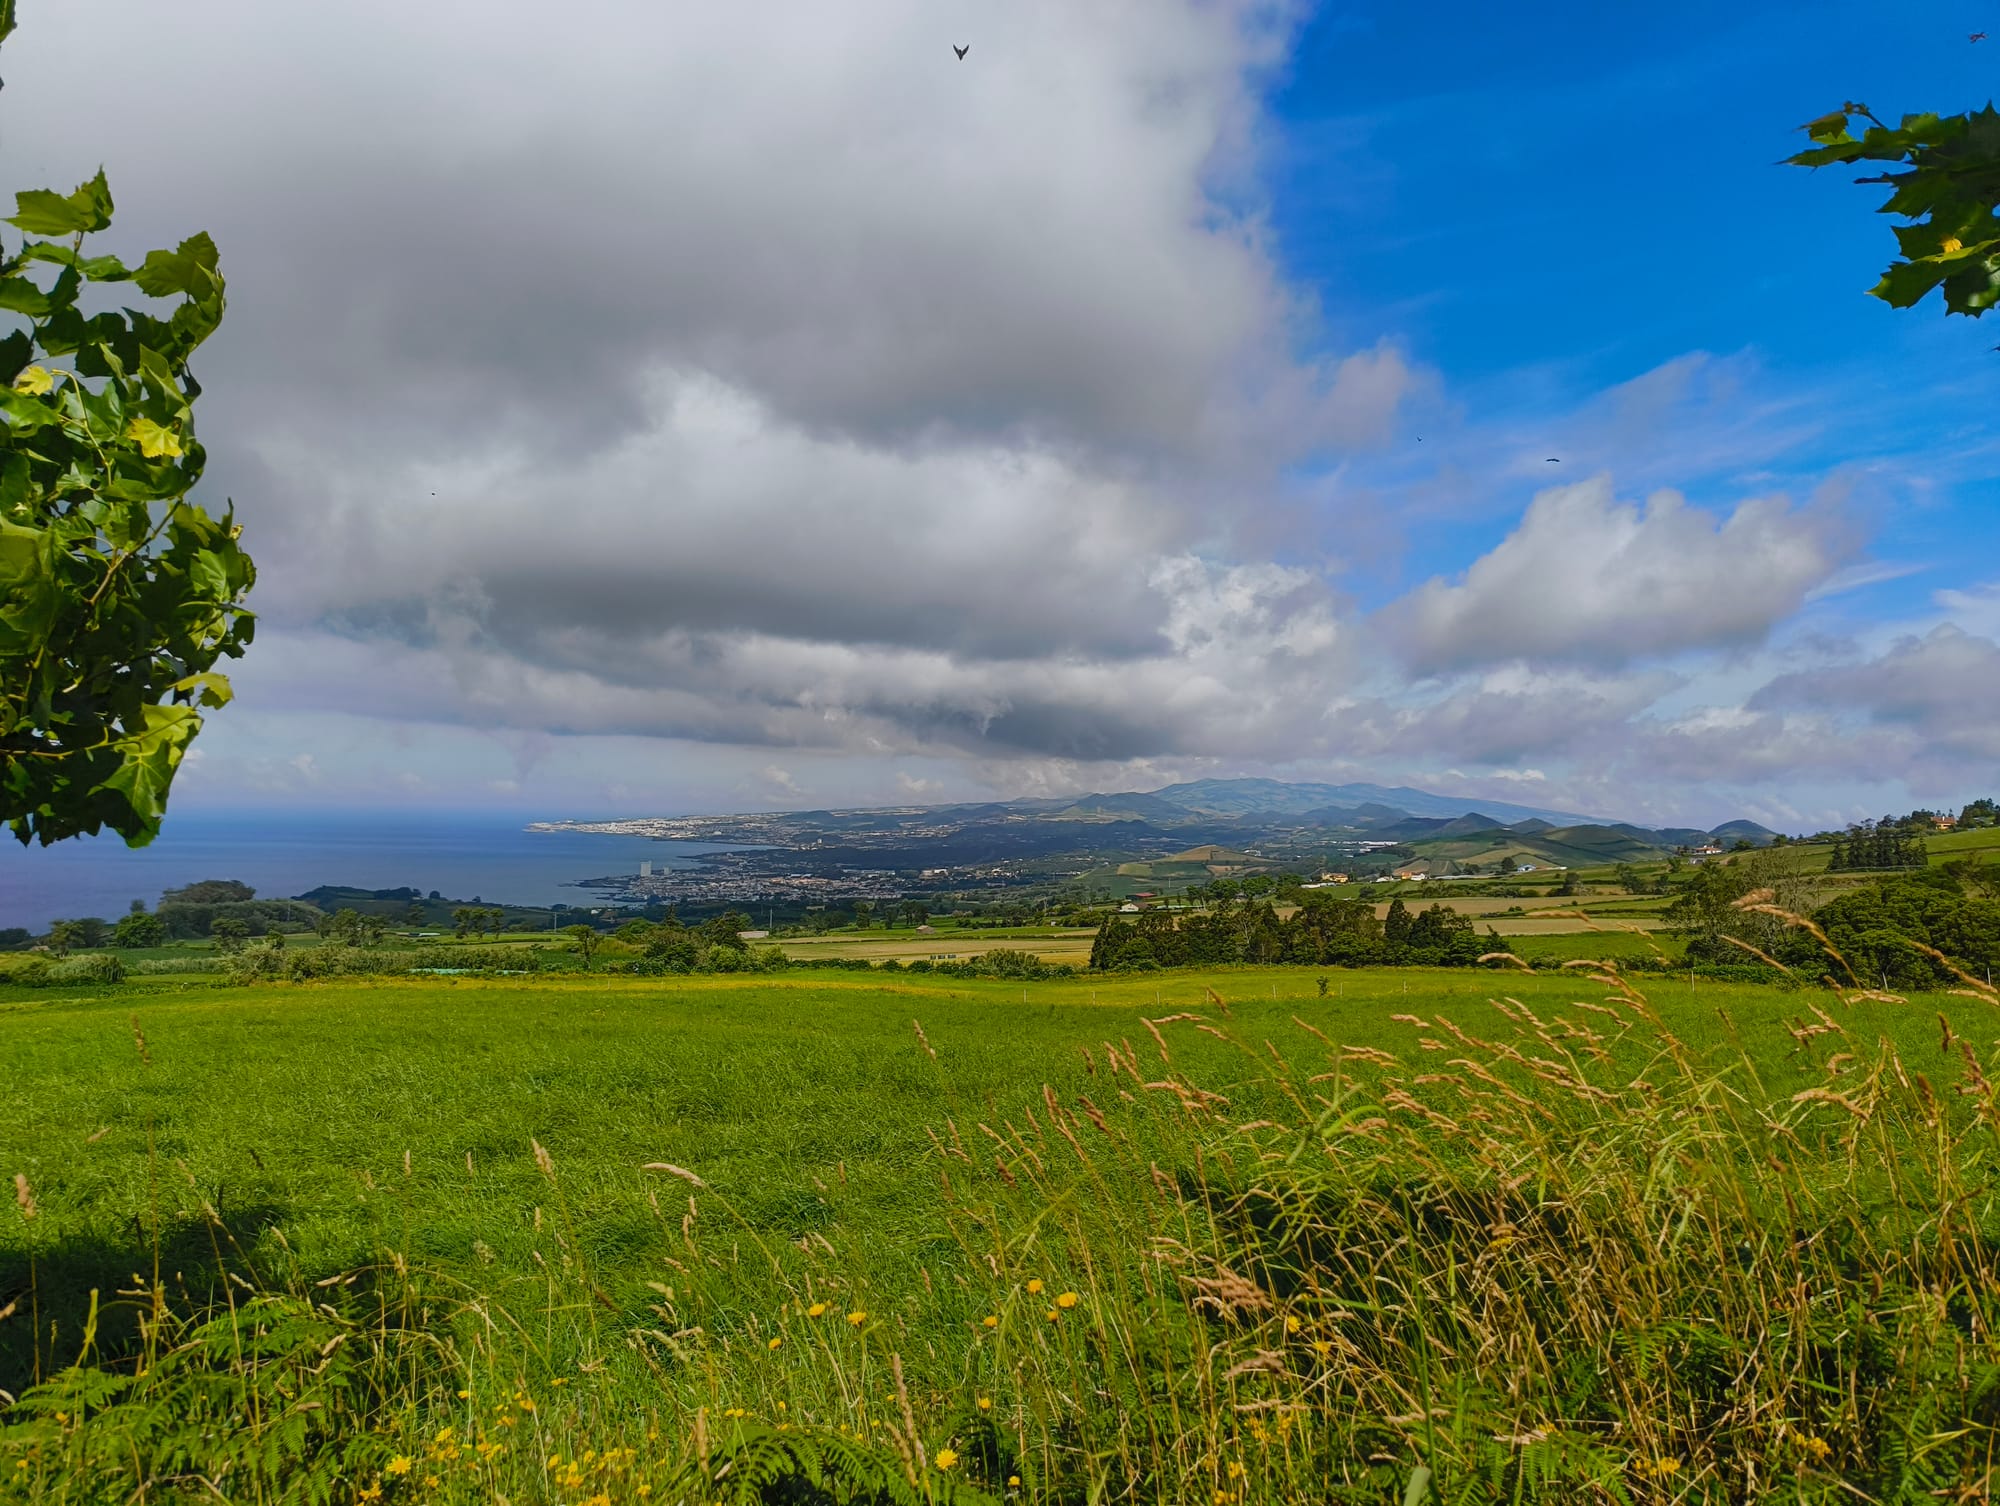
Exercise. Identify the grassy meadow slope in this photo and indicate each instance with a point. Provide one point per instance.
(1340, 1246)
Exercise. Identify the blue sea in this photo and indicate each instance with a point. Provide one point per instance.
(464, 856)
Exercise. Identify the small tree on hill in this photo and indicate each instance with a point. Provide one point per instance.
(139, 930)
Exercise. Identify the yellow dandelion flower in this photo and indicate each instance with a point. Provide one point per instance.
(1322, 1347)
(1292, 1323)
(985, 1403)
(1818, 1447)
(400, 1465)
(991, 1320)
(1014, 1480)
(431, 1482)
(857, 1317)
(816, 1309)
(736, 1412)
(947, 1457)
(1035, 1285)
(1236, 1469)
(644, 1491)
(775, 1342)
(1053, 1315)
(560, 1380)
(446, 1435)
(464, 1395)
(366, 1493)
(1068, 1300)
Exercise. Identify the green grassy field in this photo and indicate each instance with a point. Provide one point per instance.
(1199, 1208)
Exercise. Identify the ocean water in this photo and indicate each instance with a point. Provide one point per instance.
(469, 856)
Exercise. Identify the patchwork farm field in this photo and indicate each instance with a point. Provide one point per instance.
(1182, 1236)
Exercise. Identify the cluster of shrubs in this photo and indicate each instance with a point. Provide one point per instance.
(60, 972)
(1002, 962)
(1881, 931)
(272, 960)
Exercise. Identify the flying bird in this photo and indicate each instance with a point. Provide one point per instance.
(1977, 36)
(961, 51)
(1552, 461)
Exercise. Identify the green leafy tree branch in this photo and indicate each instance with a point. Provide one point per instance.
(1949, 186)
(118, 596)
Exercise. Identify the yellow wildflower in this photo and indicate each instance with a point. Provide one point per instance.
(775, 1342)
(1013, 1479)
(947, 1457)
(1236, 1470)
(1067, 1300)
(985, 1403)
(1818, 1447)
(1322, 1347)
(1035, 1285)
(857, 1317)
(400, 1465)
(366, 1493)
(560, 1380)
(991, 1320)
(1951, 243)
(464, 1395)
(816, 1309)
(1292, 1324)
(1053, 1315)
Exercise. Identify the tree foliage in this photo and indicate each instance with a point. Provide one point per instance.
(118, 595)
(1949, 187)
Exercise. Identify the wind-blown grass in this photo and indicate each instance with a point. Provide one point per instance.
(1166, 1239)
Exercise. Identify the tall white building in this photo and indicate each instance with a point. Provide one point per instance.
(645, 870)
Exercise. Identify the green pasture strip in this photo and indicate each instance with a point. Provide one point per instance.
(891, 1148)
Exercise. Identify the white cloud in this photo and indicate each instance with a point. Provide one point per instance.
(1585, 579)
(1938, 687)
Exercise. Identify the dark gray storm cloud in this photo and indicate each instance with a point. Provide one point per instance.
(742, 373)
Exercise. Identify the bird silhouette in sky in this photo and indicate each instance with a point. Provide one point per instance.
(1552, 461)
(1977, 36)
(961, 51)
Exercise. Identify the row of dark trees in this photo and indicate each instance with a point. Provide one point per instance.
(1323, 932)
(1888, 843)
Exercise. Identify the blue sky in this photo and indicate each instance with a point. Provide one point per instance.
(1547, 204)
(695, 408)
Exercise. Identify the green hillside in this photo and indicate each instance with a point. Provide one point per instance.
(1559, 847)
